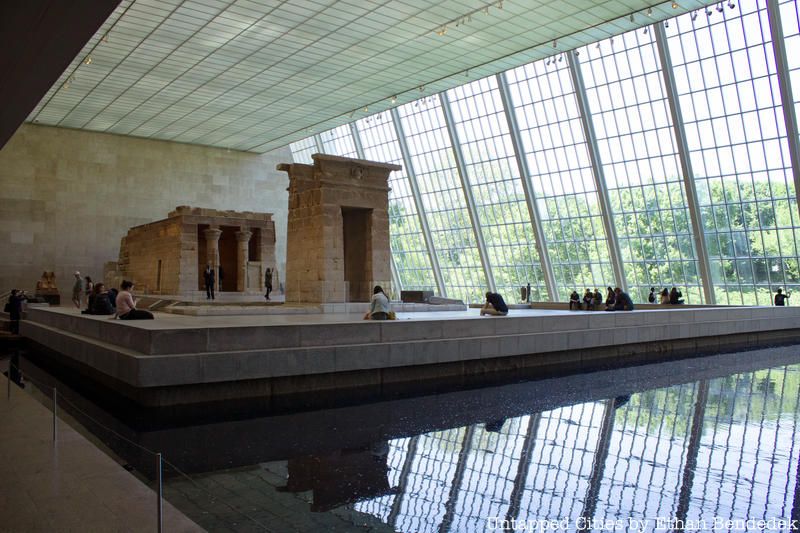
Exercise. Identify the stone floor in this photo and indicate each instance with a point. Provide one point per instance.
(70, 486)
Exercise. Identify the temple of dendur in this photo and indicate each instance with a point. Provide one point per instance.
(168, 256)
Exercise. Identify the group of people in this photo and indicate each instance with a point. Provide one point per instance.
(616, 300)
(109, 301)
(671, 297)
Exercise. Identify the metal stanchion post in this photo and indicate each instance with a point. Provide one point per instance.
(55, 414)
(160, 495)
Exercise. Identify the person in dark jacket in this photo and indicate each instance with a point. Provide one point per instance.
(494, 306)
(101, 302)
(675, 296)
(622, 301)
(15, 308)
(652, 296)
(268, 282)
(208, 280)
(574, 301)
(780, 298)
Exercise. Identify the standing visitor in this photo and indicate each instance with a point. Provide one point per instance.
(268, 282)
(780, 298)
(208, 280)
(15, 308)
(77, 290)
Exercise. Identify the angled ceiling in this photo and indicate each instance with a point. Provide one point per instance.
(257, 74)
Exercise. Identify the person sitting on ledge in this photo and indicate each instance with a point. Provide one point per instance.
(652, 296)
(126, 305)
(675, 296)
(598, 298)
(780, 298)
(378, 305)
(664, 299)
(574, 301)
(622, 301)
(611, 298)
(588, 300)
(494, 306)
(99, 301)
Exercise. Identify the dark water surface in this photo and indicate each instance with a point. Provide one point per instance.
(703, 444)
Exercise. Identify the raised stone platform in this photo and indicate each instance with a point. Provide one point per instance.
(182, 359)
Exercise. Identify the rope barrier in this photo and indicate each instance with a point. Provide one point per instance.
(74, 406)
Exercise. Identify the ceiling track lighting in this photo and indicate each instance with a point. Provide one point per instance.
(394, 98)
(694, 16)
(87, 60)
(631, 17)
(720, 8)
(731, 4)
(645, 30)
(675, 5)
(666, 24)
(467, 17)
(649, 11)
(555, 43)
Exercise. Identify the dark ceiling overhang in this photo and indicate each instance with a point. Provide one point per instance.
(38, 40)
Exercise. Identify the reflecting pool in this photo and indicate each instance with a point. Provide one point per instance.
(704, 444)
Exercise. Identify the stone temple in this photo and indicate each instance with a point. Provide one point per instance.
(168, 256)
(337, 245)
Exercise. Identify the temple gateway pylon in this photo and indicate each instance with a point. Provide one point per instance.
(337, 244)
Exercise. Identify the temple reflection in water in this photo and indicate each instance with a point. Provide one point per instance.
(715, 448)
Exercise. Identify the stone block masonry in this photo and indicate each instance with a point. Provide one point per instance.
(337, 229)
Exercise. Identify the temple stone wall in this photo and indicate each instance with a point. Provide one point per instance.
(67, 197)
(323, 198)
(167, 256)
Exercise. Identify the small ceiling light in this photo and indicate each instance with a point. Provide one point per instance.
(366, 109)
(104, 38)
(422, 88)
(631, 17)
(694, 16)
(561, 58)
(394, 98)
(645, 30)
(611, 41)
(649, 11)
(731, 4)
(598, 46)
(719, 7)
(555, 43)
(466, 73)
(548, 61)
(486, 10)
(666, 24)
(577, 53)
(708, 11)
(674, 5)
(87, 60)
(500, 4)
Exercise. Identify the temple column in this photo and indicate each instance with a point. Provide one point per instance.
(212, 252)
(243, 240)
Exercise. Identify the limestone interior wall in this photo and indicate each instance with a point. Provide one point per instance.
(67, 197)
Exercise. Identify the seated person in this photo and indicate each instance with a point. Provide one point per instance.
(378, 305)
(126, 305)
(780, 298)
(494, 306)
(611, 298)
(622, 301)
(652, 296)
(99, 302)
(588, 299)
(598, 298)
(574, 301)
(664, 296)
(675, 296)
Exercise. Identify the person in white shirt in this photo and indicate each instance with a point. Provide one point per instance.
(378, 306)
(126, 305)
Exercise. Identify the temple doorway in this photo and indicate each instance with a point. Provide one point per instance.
(228, 262)
(357, 238)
